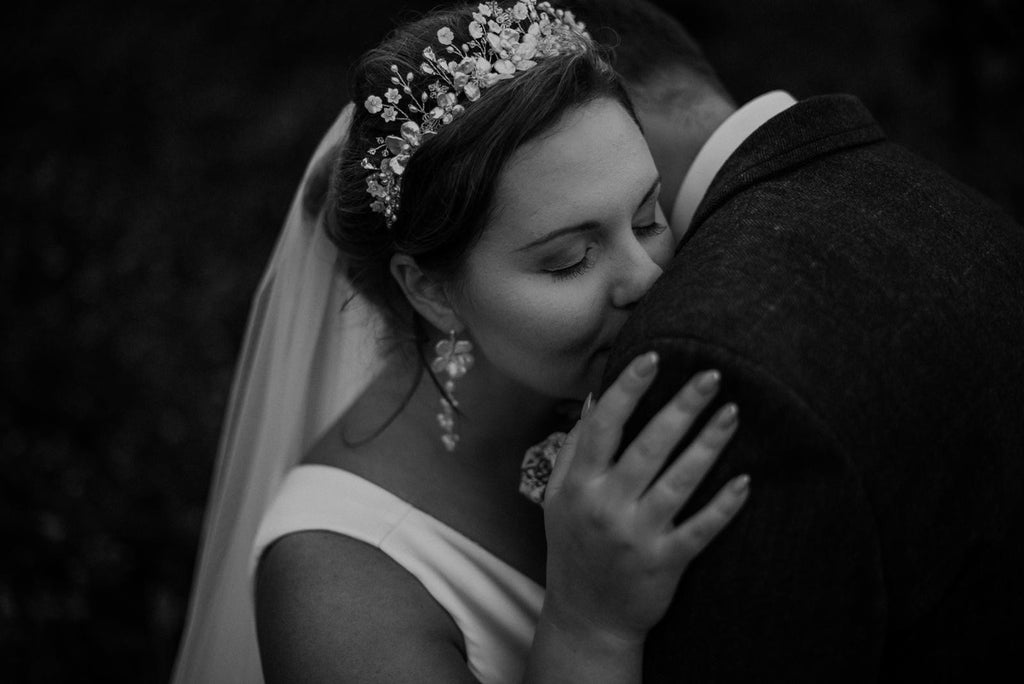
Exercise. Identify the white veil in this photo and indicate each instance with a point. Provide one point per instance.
(304, 359)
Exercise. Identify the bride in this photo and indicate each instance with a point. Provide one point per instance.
(494, 215)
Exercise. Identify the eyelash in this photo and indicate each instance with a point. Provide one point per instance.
(651, 229)
(584, 264)
(577, 269)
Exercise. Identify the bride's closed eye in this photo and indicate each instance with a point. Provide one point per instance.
(650, 230)
(575, 269)
(582, 265)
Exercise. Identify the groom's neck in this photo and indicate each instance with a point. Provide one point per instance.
(678, 114)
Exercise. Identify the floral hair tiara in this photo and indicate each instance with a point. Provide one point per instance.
(502, 43)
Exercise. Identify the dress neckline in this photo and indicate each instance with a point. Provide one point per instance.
(445, 528)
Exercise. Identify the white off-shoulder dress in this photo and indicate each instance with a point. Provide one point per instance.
(494, 605)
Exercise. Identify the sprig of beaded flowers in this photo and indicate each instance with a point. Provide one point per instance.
(502, 43)
(537, 465)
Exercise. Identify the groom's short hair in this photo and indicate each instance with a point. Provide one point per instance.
(646, 42)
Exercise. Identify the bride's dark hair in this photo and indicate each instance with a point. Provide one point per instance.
(448, 185)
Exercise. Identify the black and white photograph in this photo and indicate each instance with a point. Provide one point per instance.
(516, 341)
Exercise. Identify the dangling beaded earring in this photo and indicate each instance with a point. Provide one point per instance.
(454, 358)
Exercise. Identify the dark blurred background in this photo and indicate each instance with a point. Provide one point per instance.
(150, 154)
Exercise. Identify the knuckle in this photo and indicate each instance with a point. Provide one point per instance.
(700, 456)
(651, 560)
(687, 548)
(687, 475)
(674, 420)
(691, 400)
(701, 533)
(645, 450)
(599, 424)
(598, 515)
(713, 437)
(628, 378)
(631, 387)
(687, 403)
(683, 481)
(727, 506)
(601, 431)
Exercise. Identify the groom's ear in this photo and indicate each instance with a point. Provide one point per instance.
(426, 295)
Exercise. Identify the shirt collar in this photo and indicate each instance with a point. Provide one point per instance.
(722, 143)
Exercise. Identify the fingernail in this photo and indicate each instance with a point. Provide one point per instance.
(728, 415)
(586, 405)
(707, 381)
(740, 485)
(646, 364)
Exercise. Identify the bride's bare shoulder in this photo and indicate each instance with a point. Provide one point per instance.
(330, 607)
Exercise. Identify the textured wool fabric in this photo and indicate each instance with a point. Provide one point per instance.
(867, 313)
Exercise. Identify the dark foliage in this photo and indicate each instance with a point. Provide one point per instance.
(150, 154)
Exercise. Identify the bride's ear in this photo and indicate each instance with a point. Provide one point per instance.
(424, 293)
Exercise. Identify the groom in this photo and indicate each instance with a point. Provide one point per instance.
(867, 313)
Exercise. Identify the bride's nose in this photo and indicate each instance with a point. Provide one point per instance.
(635, 273)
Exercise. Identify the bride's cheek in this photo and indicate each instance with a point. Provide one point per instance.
(583, 324)
(559, 319)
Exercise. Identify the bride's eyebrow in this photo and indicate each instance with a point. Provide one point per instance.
(588, 225)
(567, 230)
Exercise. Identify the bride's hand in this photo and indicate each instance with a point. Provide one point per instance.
(615, 554)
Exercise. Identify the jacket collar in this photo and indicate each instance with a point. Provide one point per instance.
(811, 128)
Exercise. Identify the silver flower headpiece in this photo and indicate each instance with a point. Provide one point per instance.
(502, 43)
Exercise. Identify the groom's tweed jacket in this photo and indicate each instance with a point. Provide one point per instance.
(867, 313)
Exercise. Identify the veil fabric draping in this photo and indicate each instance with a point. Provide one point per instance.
(305, 357)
